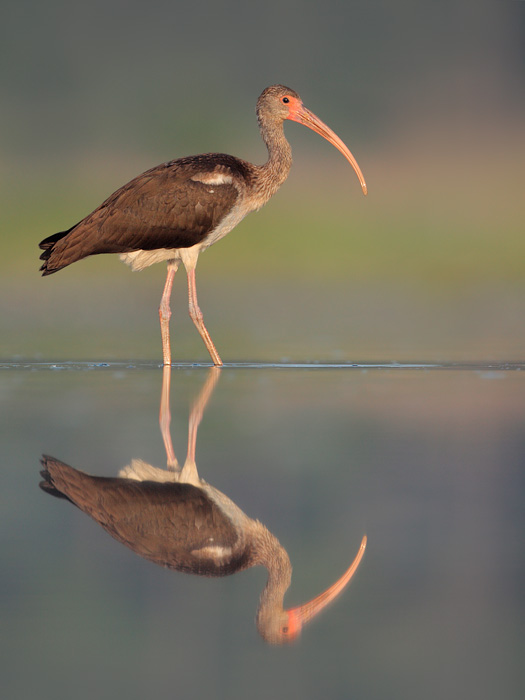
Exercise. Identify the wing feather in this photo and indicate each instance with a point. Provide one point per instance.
(165, 207)
(172, 524)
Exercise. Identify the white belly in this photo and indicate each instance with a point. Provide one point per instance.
(140, 259)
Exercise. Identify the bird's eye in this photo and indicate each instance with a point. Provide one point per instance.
(285, 630)
(285, 100)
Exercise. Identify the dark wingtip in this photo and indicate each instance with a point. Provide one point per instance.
(44, 268)
(48, 246)
(44, 473)
(47, 484)
(45, 271)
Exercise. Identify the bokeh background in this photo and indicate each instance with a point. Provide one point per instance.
(429, 97)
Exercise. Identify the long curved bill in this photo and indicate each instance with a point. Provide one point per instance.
(304, 613)
(302, 115)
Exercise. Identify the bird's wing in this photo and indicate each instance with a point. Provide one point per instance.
(167, 523)
(174, 205)
(169, 206)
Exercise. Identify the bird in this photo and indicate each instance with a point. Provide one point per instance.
(176, 210)
(192, 528)
(175, 519)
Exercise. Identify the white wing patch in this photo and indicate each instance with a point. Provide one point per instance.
(213, 552)
(213, 178)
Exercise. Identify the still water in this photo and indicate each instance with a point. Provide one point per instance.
(425, 460)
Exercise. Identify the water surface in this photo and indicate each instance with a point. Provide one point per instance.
(426, 459)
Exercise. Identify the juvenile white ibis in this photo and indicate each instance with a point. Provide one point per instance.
(175, 519)
(178, 209)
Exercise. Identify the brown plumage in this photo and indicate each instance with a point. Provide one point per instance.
(178, 209)
(161, 209)
(170, 523)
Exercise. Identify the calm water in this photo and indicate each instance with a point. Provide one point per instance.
(426, 460)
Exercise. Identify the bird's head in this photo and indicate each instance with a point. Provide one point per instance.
(278, 626)
(282, 627)
(278, 102)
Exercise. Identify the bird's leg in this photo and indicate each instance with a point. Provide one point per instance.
(197, 410)
(165, 312)
(196, 313)
(189, 471)
(165, 419)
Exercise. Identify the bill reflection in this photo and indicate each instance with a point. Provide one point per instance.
(175, 519)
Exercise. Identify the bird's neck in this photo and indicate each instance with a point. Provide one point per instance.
(274, 172)
(273, 556)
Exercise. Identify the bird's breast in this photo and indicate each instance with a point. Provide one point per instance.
(230, 221)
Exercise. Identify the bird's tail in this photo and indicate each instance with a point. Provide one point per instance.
(61, 480)
(48, 245)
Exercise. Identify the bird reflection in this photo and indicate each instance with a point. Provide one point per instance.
(176, 519)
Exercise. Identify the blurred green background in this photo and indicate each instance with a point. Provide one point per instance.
(428, 96)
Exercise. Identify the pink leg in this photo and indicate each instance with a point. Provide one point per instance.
(189, 472)
(165, 312)
(198, 408)
(165, 417)
(196, 316)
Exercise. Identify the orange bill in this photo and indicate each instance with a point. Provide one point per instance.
(303, 613)
(299, 113)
